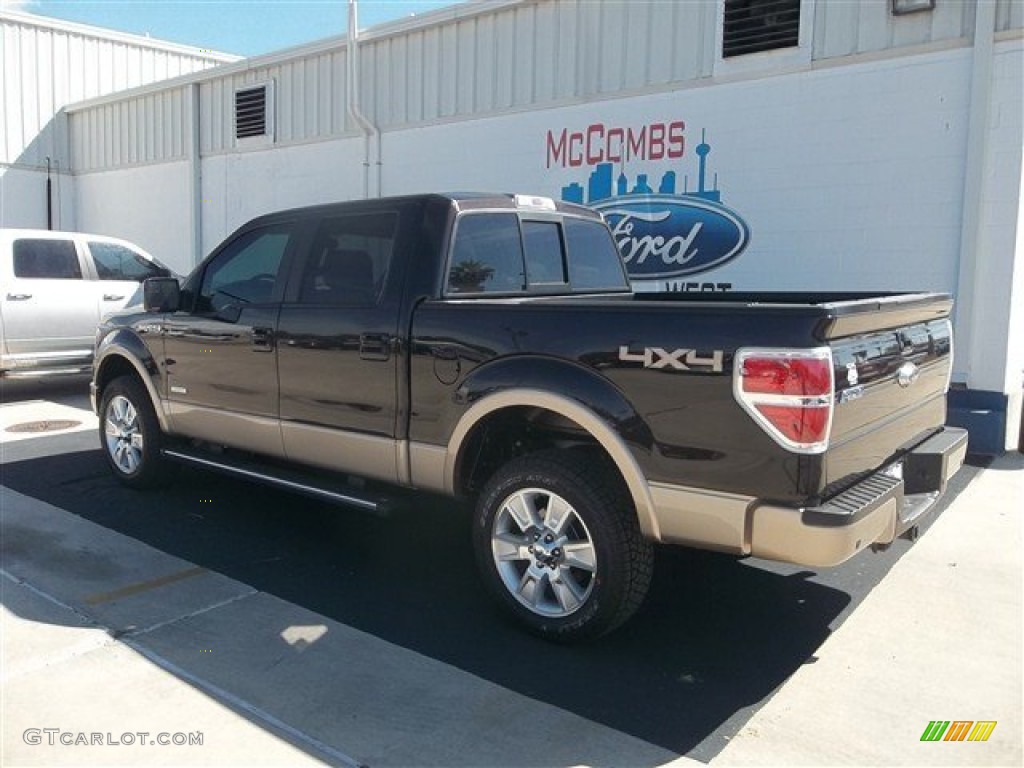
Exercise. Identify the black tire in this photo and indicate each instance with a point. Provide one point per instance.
(536, 578)
(130, 435)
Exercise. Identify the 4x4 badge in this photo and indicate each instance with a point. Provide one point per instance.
(675, 359)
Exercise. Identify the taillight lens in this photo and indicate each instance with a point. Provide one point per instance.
(789, 393)
(787, 376)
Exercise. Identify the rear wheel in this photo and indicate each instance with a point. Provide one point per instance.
(130, 434)
(558, 543)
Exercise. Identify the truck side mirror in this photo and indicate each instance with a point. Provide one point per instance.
(161, 294)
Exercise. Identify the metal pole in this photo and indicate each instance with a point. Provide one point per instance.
(49, 196)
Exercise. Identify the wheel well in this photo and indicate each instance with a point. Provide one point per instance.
(517, 431)
(112, 368)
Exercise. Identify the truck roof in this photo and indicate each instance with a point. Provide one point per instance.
(461, 201)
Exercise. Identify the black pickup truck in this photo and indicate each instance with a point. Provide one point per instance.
(490, 348)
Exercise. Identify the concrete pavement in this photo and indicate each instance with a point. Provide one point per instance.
(105, 635)
(105, 638)
(939, 638)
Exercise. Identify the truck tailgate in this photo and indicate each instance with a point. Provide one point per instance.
(892, 361)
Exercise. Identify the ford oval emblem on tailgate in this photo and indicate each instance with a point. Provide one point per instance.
(663, 236)
(907, 374)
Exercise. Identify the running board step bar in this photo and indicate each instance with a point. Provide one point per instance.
(277, 477)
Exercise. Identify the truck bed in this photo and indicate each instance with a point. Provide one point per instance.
(692, 428)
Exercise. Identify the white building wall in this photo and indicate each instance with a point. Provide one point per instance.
(994, 358)
(850, 179)
(241, 186)
(148, 205)
(23, 198)
(46, 64)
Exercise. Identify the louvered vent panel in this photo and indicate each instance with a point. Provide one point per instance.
(251, 112)
(752, 26)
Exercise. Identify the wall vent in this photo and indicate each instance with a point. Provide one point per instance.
(251, 112)
(752, 26)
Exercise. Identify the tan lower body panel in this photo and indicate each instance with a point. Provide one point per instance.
(701, 518)
(427, 467)
(258, 434)
(779, 533)
(350, 453)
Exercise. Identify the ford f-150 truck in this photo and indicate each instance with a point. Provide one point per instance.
(489, 347)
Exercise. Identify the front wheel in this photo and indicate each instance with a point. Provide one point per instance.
(558, 543)
(130, 434)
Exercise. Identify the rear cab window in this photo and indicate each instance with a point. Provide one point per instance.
(487, 256)
(545, 254)
(46, 259)
(509, 253)
(594, 262)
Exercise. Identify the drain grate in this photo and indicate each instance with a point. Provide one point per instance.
(46, 425)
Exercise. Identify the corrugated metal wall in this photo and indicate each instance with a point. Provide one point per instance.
(534, 54)
(310, 98)
(1009, 15)
(844, 28)
(144, 129)
(490, 60)
(46, 64)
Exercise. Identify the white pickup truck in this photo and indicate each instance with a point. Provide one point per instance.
(54, 289)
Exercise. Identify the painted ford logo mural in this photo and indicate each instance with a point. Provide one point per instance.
(660, 232)
(663, 236)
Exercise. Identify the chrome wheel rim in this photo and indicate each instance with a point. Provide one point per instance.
(124, 434)
(543, 552)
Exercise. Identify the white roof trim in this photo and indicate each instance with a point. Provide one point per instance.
(101, 33)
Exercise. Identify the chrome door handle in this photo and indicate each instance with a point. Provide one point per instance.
(112, 297)
(19, 296)
(262, 339)
(375, 346)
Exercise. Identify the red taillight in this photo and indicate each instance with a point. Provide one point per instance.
(789, 393)
(798, 424)
(787, 376)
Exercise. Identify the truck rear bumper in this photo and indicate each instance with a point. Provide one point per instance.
(874, 511)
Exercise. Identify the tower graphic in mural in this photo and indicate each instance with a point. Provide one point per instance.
(599, 185)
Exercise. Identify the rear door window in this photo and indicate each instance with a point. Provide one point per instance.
(44, 258)
(116, 262)
(350, 259)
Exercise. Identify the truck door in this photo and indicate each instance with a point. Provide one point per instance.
(48, 307)
(338, 349)
(221, 354)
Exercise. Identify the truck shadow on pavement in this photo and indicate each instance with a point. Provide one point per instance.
(715, 637)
